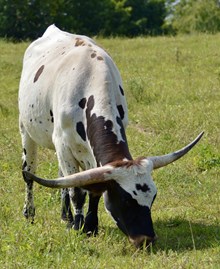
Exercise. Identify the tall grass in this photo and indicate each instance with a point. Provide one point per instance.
(173, 92)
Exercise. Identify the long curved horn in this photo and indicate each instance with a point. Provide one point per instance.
(91, 176)
(160, 161)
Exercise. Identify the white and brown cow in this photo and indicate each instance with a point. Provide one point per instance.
(71, 99)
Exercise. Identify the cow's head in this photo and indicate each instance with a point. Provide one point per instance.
(130, 190)
(129, 199)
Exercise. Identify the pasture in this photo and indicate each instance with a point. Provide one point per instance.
(173, 93)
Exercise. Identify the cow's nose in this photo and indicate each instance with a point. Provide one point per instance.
(140, 240)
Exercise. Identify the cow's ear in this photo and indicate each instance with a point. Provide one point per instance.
(160, 161)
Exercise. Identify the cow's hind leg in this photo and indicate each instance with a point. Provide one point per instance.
(28, 164)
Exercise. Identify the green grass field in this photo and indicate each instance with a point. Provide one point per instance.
(173, 93)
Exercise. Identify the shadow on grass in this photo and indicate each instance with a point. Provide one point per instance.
(177, 235)
(180, 235)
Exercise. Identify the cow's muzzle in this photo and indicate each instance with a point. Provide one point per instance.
(142, 240)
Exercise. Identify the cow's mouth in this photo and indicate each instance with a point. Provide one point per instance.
(142, 240)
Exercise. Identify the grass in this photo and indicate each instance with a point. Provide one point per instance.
(173, 92)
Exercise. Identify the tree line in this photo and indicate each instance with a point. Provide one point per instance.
(28, 19)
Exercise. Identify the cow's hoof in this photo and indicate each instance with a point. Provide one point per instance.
(92, 233)
(29, 213)
(67, 217)
(78, 222)
(91, 226)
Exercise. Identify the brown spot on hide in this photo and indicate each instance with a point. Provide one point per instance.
(51, 114)
(121, 111)
(93, 55)
(127, 163)
(81, 130)
(24, 165)
(121, 90)
(122, 130)
(143, 188)
(121, 163)
(79, 42)
(39, 72)
(82, 103)
(99, 58)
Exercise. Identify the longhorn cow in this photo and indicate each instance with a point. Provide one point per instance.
(71, 99)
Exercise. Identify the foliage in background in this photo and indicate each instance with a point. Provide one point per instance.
(24, 19)
(28, 19)
(188, 16)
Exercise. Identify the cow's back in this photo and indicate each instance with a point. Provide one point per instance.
(60, 72)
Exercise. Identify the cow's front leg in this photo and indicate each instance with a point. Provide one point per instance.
(91, 221)
(68, 165)
(78, 196)
(66, 213)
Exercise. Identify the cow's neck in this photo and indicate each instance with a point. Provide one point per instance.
(109, 151)
(106, 145)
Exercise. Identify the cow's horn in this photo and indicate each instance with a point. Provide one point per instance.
(160, 161)
(91, 176)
